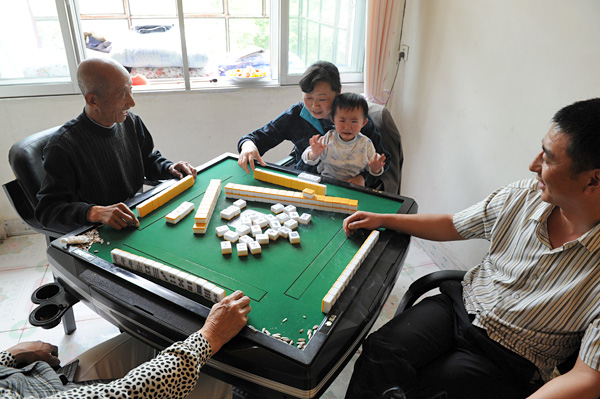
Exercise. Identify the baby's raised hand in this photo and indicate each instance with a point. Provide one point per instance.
(377, 163)
(317, 146)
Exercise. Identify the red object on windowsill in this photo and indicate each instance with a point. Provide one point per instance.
(138, 80)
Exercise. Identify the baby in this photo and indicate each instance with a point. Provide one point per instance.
(345, 152)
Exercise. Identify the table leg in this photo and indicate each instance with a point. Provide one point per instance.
(68, 320)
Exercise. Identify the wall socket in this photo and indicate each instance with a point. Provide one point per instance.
(403, 56)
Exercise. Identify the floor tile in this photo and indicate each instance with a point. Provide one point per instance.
(415, 273)
(9, 338)
(21, 252)
(416, 256)
(16, 287)
(82, 312)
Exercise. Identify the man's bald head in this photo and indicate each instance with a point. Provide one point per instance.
(106, 88)
(95, 75)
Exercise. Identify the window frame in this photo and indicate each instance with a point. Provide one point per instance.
(70, 26)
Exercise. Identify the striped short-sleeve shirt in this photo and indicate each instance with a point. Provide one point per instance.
(539, 302)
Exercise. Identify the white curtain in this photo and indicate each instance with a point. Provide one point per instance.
(384, 27)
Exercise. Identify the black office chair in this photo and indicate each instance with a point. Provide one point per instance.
(390, 182)
(437, 280)
(425, 284)
(392, 142)
(26, 160)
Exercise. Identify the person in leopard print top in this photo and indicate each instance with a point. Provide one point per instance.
(26, 370)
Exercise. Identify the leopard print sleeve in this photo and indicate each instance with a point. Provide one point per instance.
(171, 374)
(7, 359)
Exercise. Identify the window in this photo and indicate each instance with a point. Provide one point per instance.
(332, 30)
(48, 39)
(145, 35)
(33, 55)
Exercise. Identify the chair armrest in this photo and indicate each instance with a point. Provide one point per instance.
(287, 161)
(151, 182)
(378, 185)
(427, 283)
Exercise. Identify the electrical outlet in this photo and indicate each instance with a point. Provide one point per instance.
(403, 53)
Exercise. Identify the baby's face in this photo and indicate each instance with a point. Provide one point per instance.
(348, 122)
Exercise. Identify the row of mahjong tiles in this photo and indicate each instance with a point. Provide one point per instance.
(297, 183)
(207, 206)
(184, 209)
(297, 198)
(165, 196)
(338, 287)
(168, 274)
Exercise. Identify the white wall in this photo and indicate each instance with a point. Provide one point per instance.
(481, 84)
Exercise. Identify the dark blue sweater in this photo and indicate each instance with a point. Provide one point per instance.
(87, 164)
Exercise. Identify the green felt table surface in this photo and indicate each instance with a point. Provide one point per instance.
(285, 282)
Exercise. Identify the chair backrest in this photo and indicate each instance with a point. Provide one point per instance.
(392, 142)
(26, 160)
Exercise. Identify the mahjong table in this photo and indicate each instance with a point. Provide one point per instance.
(286, 283)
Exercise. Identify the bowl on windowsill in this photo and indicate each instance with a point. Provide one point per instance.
(246, 75)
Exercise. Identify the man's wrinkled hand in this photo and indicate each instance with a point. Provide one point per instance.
(28, 352)
(226, 319)
(117, 216)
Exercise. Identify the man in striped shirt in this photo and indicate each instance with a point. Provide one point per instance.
(531, 303)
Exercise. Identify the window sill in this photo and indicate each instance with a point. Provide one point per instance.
(222, 83)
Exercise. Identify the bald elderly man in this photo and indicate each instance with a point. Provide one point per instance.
(100, 159)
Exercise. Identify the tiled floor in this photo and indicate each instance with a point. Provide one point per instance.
(24, 267)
